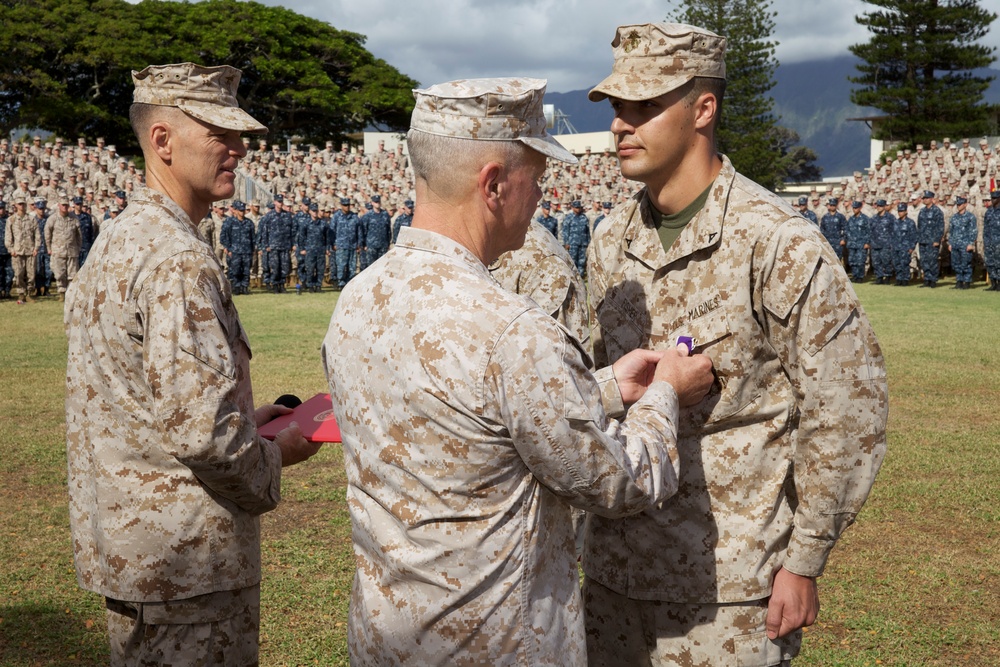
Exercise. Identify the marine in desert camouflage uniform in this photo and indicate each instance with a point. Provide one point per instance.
(469, 417)
(543, 270)
(167, 474)
(63, 238)
(779, 457)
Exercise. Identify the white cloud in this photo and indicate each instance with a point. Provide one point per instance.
(564, 41)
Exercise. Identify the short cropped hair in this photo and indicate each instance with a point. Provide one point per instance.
(443, 162)
(700, 85)
(142, 116)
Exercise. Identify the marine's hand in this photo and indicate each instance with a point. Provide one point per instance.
(634, 373)
(266, 413)
(294, 447)
(794, 603)
(690, 375)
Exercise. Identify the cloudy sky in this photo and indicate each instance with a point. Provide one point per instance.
(564, 41)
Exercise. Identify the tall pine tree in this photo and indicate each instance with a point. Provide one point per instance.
(746, 130)
(918, 66)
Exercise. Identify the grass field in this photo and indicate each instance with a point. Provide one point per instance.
(915, 582)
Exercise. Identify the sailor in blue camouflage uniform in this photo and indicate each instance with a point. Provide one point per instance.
(802, 206)
(991, 241)
(930, 234)
(346, 232)
(6, 268)
(403, 219)
(858, 236)
(237, 237)
(904, 241)
(43, 262)
(833, 226)
(962, 242)
(280, 239)
(312, 247)
(87, 231)
(605, 209)
(881, 242)
(547, 220)
(377, 225)
(300, 219)
(263, 234)
(576, 235)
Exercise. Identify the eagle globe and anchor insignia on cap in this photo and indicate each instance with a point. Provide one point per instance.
(631, 42)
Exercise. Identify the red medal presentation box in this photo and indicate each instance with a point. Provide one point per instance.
(315, 418)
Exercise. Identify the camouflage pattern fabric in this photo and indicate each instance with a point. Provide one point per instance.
(470, 423)
(779, 457)
(623, 631)
(212, 630)
(542, 270)
(167, 475)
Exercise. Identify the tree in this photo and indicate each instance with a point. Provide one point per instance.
(746, 125)
(912, 42)
(796, 164)
(65, 65)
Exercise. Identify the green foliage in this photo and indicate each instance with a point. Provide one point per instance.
(917, 68)
(797, 164)
(65, 65)
(746, 127)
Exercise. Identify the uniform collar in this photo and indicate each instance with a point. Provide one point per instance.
(704, 231)
(423, 240)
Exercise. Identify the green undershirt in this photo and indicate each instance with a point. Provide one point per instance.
(669, 227)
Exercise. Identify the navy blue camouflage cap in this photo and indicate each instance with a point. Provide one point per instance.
(832, 201)
(120, 194)
(995, 194)
(279, 198)
(239, 206)
(803, 201)
(377, 199)
(368, 206)
(606, 204)
(901, 206)
(39, 203)
(856, 204)
(3, 204)
(345, 201)
(408, 203)
(880, 202)
(928, 194)
(546, 205)
(314, 206)
(961, 200)
(306, 201)
(77, 200)
(576, 203)
(270, 205)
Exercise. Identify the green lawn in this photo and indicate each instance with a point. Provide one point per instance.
(915, 582)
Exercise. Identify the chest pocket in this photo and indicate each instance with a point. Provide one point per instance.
(623, 319)
(736, 385)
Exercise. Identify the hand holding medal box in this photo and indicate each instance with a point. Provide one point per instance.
(315, 419)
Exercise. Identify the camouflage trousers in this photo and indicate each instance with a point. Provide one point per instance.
(24, 274)
(213, 630)
(64, 270)
(643, 633)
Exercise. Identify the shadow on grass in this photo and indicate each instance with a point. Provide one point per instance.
(34, 634)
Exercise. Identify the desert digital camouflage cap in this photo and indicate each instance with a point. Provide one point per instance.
(508, 109)
(205, 93)
(654, 58)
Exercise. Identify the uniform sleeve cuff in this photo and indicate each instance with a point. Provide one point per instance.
(807, 556)
(611, 396)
